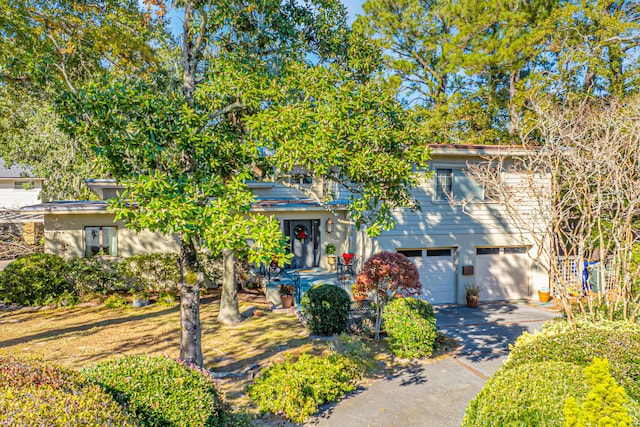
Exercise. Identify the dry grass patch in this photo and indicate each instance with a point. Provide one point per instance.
(90, 333)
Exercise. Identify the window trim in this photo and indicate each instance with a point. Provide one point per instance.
(101, 239)
(454, 168)
(442, 196)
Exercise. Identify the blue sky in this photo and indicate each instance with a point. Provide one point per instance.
(354, 7)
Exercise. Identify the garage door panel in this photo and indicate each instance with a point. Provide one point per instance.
(436, 275)
(502, 274)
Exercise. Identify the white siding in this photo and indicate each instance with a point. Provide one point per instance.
(11, 198)
(443, 224)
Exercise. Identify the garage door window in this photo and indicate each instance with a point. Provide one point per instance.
(438, 252)
(516, 250)
(410, 253)
(487, 251)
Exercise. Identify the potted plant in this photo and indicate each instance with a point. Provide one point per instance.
(286, 295)
(358, 293)
(140, 298)
(330, 250)
(472, 292)
(544, 294)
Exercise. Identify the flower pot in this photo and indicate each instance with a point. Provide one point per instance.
(545, 296)
(359, 297)
(287, 301)
(140, 302)
(472, 300)
(331, 261)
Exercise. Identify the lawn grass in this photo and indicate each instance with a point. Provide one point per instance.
(90, 333)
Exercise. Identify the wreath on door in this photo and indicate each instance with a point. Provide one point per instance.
(301, 233)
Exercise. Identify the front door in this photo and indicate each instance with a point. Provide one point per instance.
(303, 235)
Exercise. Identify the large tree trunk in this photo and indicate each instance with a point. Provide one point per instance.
(514, 119)
(229, 311)
(191, 330)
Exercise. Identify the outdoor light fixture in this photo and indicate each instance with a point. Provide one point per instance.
(329, 225)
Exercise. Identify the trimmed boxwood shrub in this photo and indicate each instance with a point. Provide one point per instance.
(618, 342)
(161, 392)
(528, 395)
(326, 309)
(38, 393)
(34, 279)
(411, 327)
(297, 389)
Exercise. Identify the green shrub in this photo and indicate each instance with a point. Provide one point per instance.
(19, 373)
(528, 395)
(297, 389)
(213, 268)
(166, 299)
(326, 309)
(618, 342)
(160, 391)
(152, 272)
(34, 279)
(65, 299)
(606, 404)
(116, 301)
(36, 393)
(411, 327)
(95, 274)
(352, 347)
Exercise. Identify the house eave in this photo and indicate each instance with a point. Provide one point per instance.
(476, 150)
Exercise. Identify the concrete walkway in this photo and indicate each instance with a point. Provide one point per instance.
(436, 393)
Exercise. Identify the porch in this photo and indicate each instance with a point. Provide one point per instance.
(302, 280)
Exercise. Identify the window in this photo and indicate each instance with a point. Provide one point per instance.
(487, 251)
(411, 253)
(455, 184)
(23, 185)
(444, 184)
(100, 240)
(438, 252)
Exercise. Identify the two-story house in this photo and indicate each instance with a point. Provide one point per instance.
(453, 243)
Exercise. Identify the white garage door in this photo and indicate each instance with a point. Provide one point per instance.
(436, 273)
(503, 273)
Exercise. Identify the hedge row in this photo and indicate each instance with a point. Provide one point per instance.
(545, 370)
(43, 278)
(142, 390)
(37, 393)
(618, 342)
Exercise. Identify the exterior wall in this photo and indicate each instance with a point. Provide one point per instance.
(10, 198)
(463, 227)
(64, 235)
(338, 236)
(278, 190)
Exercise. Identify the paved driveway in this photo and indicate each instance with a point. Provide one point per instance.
(436, 393)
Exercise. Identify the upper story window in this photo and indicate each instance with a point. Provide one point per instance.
(454, 184)
(100, 241)
(301, 176)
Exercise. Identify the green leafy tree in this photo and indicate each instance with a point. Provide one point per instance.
(55, 45)
(186, 153)
(468, 68)
(388, 275)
